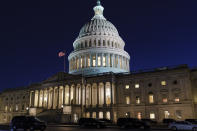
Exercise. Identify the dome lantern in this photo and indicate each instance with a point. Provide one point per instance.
(98, 10)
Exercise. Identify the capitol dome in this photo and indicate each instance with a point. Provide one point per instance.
(98, 48)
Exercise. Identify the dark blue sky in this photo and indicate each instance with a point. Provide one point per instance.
(156, 32)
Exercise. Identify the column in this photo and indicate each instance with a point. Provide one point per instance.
(111, 84)
(69, 95)
(48, 98)
(107, 60)
(91, 95)
(32, 100)
(102, 60)
(90, 60)
(97, 85)
(53, 94)
(112, 60)
(63, 95)
(118, 57)
(85, 95)
(43, 98)
(58, 96)
(38, 98)
(85, 57)
(96, 60)
(104, 93)
(79, 62)
(74, 95)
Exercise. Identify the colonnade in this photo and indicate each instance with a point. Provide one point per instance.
(96, 94)
(99, 60)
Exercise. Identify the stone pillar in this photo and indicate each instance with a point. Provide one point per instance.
(38, 99)
(104, 93)
(63, 95)
(118, 57)
(53, 97)
(74, 95)
(79, 62)
(43, 98)
(85, 64)
(96, 60)
(97, 85)
(111, 88)
(69, 95)
(85, 95)
(58, 97)
(48, 91)
(91, 60)
(107, 60)
(102, 60)
(112, 60)
(91, 94)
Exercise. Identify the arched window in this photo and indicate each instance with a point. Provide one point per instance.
(127, 100)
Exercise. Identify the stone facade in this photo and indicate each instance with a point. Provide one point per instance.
(100, 84)
(168, 92)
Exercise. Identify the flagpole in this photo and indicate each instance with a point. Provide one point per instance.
(65, 62)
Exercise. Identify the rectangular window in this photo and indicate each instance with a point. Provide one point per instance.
(165, 100)
(139, 115)
(166, 114)
(127, 100)
(137, 100)
(137, 86)
(177, 100)
(152, 115)
(127, 87)
(151, 98)
(163, 83)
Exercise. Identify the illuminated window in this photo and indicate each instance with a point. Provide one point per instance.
(151, 98)
(139, 115)
(16, 107)
(177, 99)
(127, 100)
(127, 114)
(127, 87)
(94, 61)
(137, 86)
(100, 115)
(94, 115)
(108, 115)
(163, 83)
(137, 100)
(165, 100)
(88, 115)
(75, 118)
(166, 114)
(99, 61)
(152, 115)
(6, 108)
(104, 60)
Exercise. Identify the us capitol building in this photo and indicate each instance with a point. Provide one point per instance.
(100, 85)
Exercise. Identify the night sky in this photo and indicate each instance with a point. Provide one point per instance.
(157, 33)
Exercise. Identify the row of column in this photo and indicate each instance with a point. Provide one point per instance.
(97, 94)
(99, 60)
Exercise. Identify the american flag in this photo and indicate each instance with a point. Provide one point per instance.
(61, 54)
